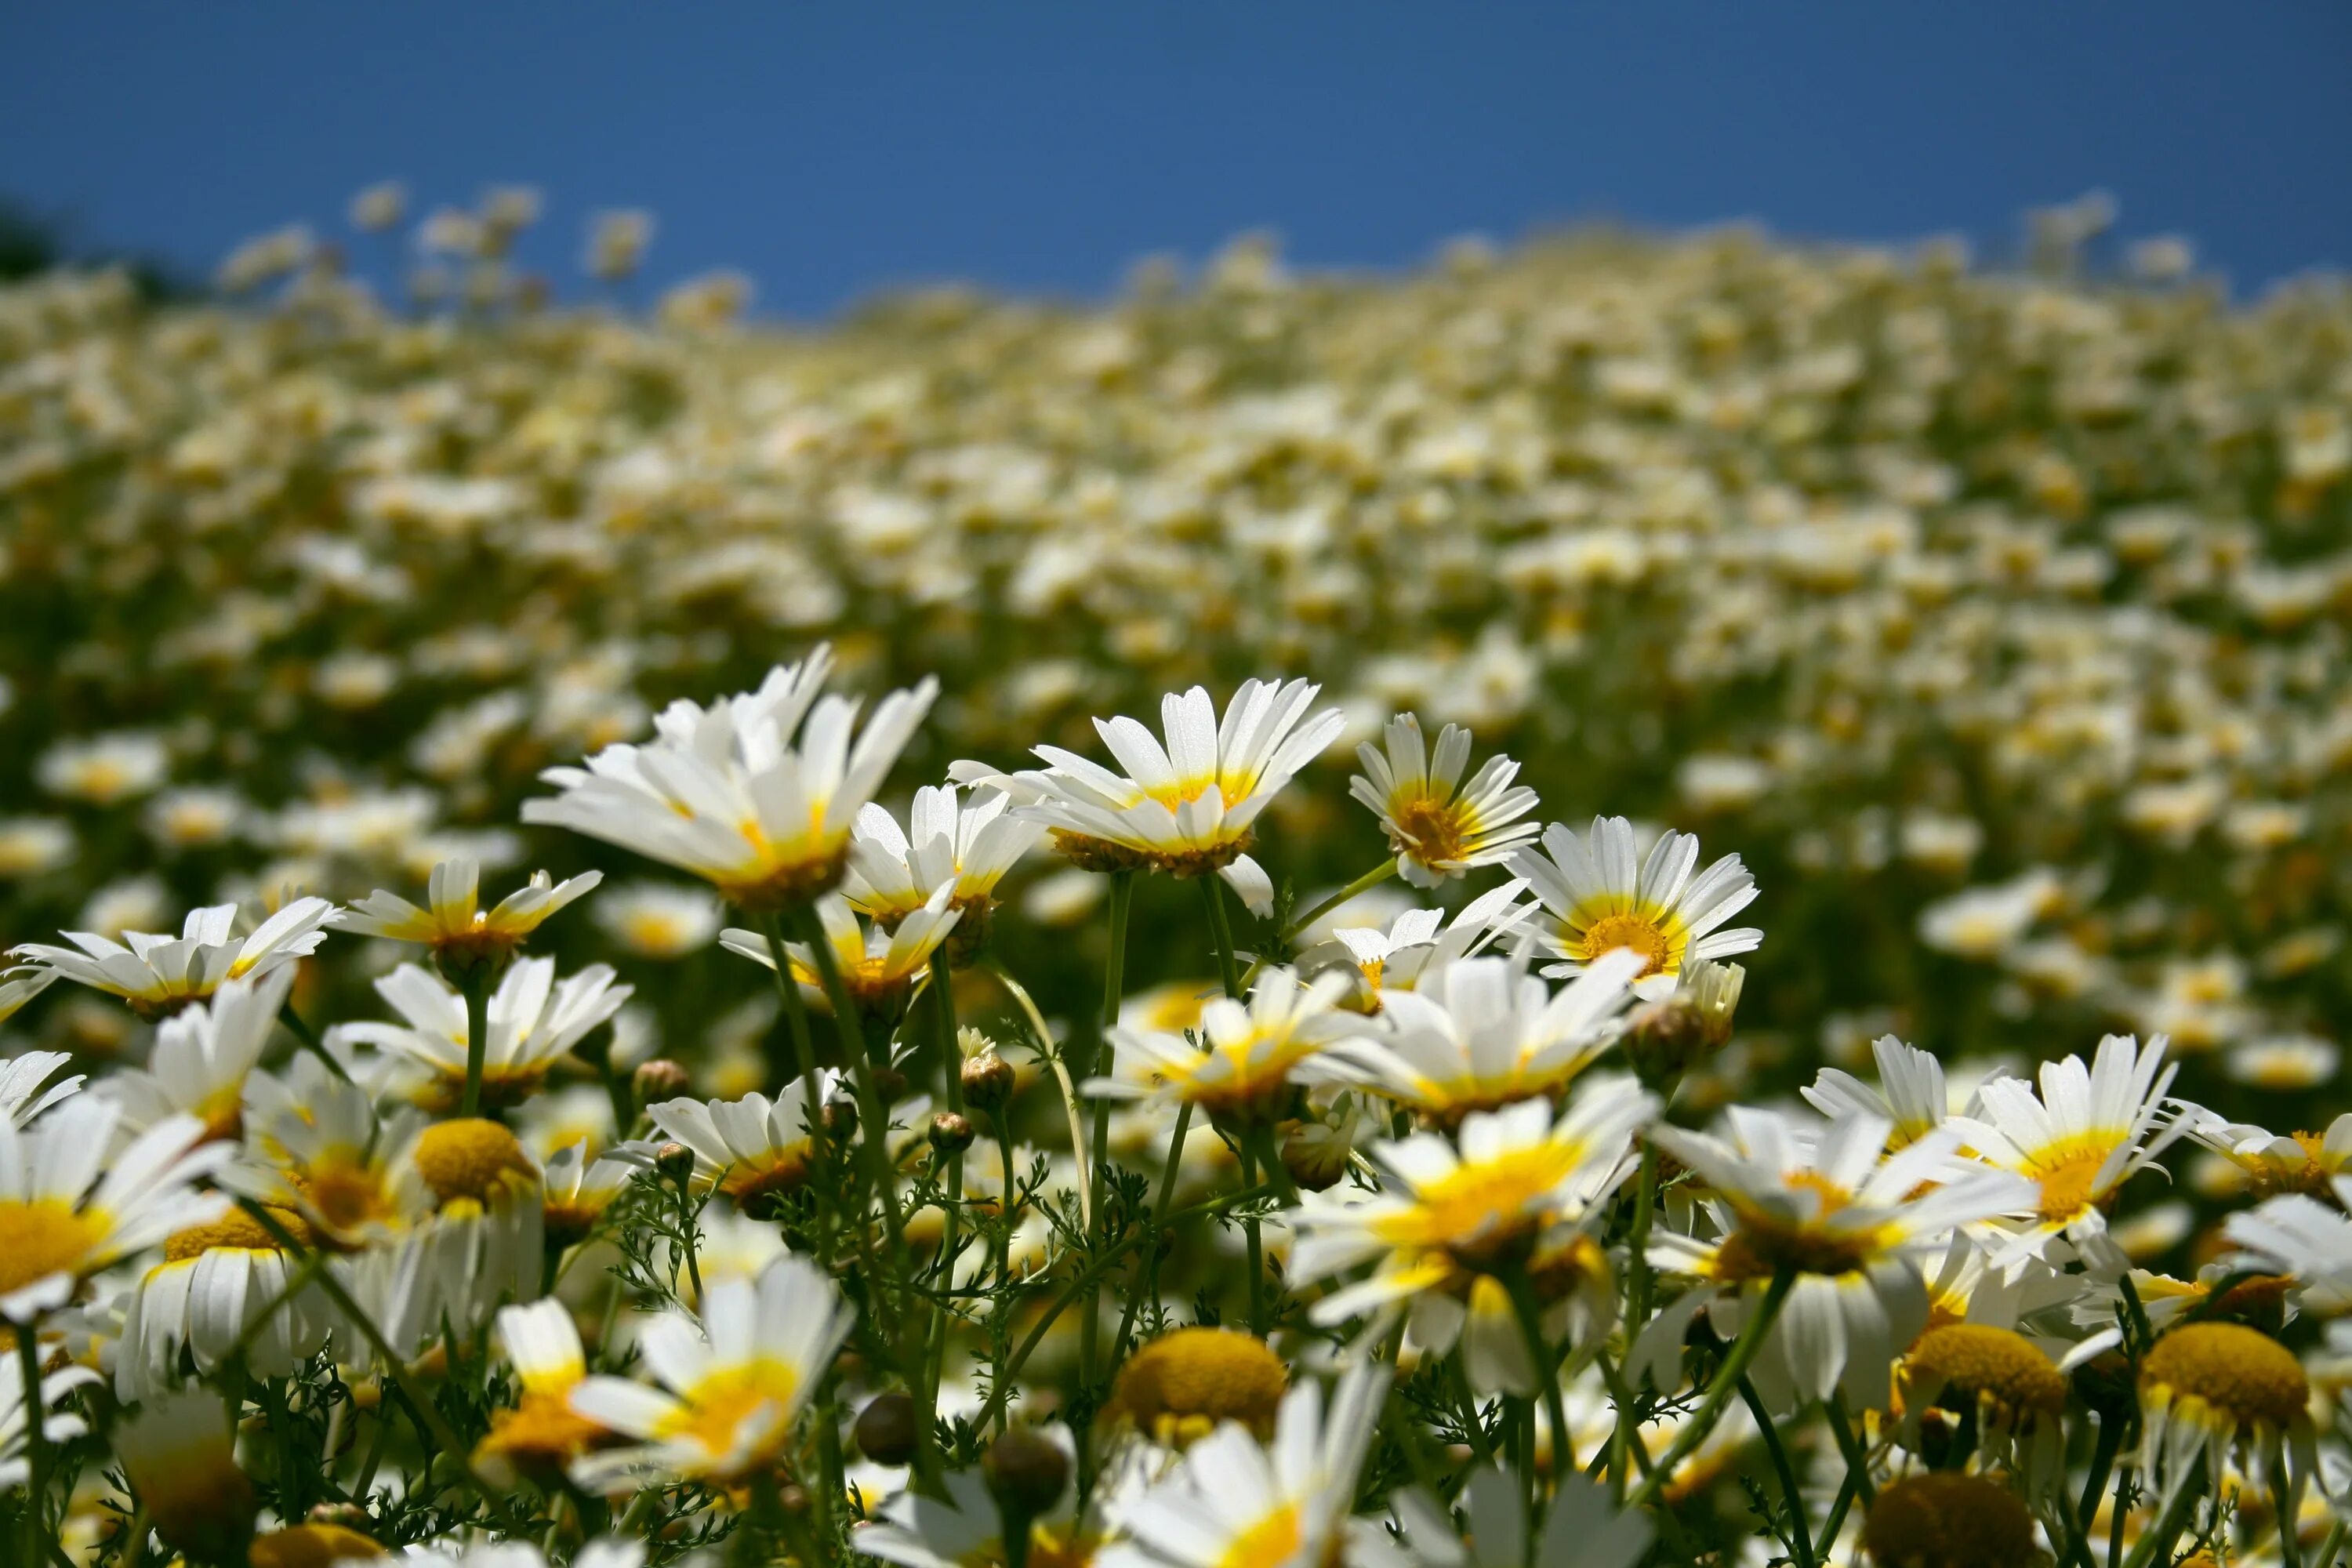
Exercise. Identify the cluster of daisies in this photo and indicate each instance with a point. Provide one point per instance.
(1396, 1245)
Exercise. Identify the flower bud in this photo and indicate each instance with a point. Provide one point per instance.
(889, 1428)
(889, 1085)
(840, 1120)
(1665, 1038)
(951, 1134)
(675, 1161)
(987, 1080)
(658, 1079)
(1026, 1471)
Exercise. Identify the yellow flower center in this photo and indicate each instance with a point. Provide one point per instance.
(1473, 1202)
(44, 1238)
(2237, 1371)
(1436, 831)
(539, 1433)
(2068, 1175)
(1184, 1384)
(235, 1228)
(779, 1171)
(1643, 934)
(1268, 1543)
(1977, 1360)
(717, 1407)
(345, 1194)
(471, 1158)
(1946, 1518)
(1766, 1242)
(311, 1546)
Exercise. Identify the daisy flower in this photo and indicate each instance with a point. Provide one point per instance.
(750, 1150)
(756, 793)
(1438, 826)
(203, 1057)
(1186, 808)
(541, 1435)
(462, 934)
(879, 965)
(487, 1237)
(2088, 1131)
(1846, 1219)
(19, 986)
(2298, 1237)
(2278, 1162)
(532, 1022)
(1910, 1096)
(1482, 1033)
(966, 1528)
(61, 1220)
(22, 1077)
(2209, 1391)
(157, 975)
(1602, 897)
(1583, 1529)
(1189, 1382)
(1419, 941)
(579, 1190)
(731, 1387)
(179, 1454)
(207, 1296)
(1236, 1503)
(658, 920)
(319, 1148)
(1248, 1056)
(1446, 1221)
(893, 874)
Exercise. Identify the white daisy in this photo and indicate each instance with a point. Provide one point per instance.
(1910, 1094)
(62, 1220)
(892, 873)
(160, 975)
(15, 1418)
(879, 963)
(1247, 1055)
(532, 1024)
(749, 1149)
(756, 793)
(208, 1296)
(453, 924)
(203, 1057)
(1420, 940)
(22, 1077)
(1438, 826)
(1235, 1503)
(1189, 807)
(1602, 897)
(733, 1385)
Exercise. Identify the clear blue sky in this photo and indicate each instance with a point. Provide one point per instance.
(829, 150)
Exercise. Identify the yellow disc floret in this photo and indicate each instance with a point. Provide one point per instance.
(1181, 1385)
(471, 1158)
(44, 1238)
(311, 1546)
(235, 1228)
(1631, 930)
(1946, 1518)
(1977, 1360)
(2239, 1376)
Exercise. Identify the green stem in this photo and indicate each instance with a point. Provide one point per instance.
(1051, 1055)
(307, 1038)
(1801, 1538)
(1546, 1368)
(37, 1541)
(2102, 1459)
(444, 1439)
(1736, 1361)
(1158, 1226)
(1097, 1151)
(2155, 1546)
(874, 1133)
(1857, 1462)
(477, 1036)
(1353, 890)
(1255, 1245)
(803, 1068)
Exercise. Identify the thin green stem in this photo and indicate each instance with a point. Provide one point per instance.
(37, 1541)
(874, 1133)
(1800, 1537)
(2102, 1459)
(1736, 1361)
(1255, 1245)
(1849, 1445)
(1547, 1365)
(803, 1067)
(1098, 1150)
(307, 1038)
(1159, 1227)
(478, 1036)
(1353, 890)
(1051, 1055)
(2155, 1546)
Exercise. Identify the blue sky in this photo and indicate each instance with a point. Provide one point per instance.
(831, 150)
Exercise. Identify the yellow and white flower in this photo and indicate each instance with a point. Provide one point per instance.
(203, 1057)
(2088, 1131)
(461, 933)
(658, 920)
(579, 1190)
(160, 975)
(1248, 1056)
(893, 874)
(1188, 808)
(749, 1149)
(1848, 1222)
(532, 1022)
(319, 1149)
(1601, 897)
(541, 1435)
(879, 963)
(1910, 1094)
(179, 1454)
(757, 793)
(731, 1387)
(1447, 1223)
(2278, 1162)
(1238, 1503)
(1419, 941)
(209, 1296)
(69, 1205)
(1482, 1033)
(2209, 1391)
(1439, 827)
(485, 1241)
(966, 1528)
(15, 1415)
